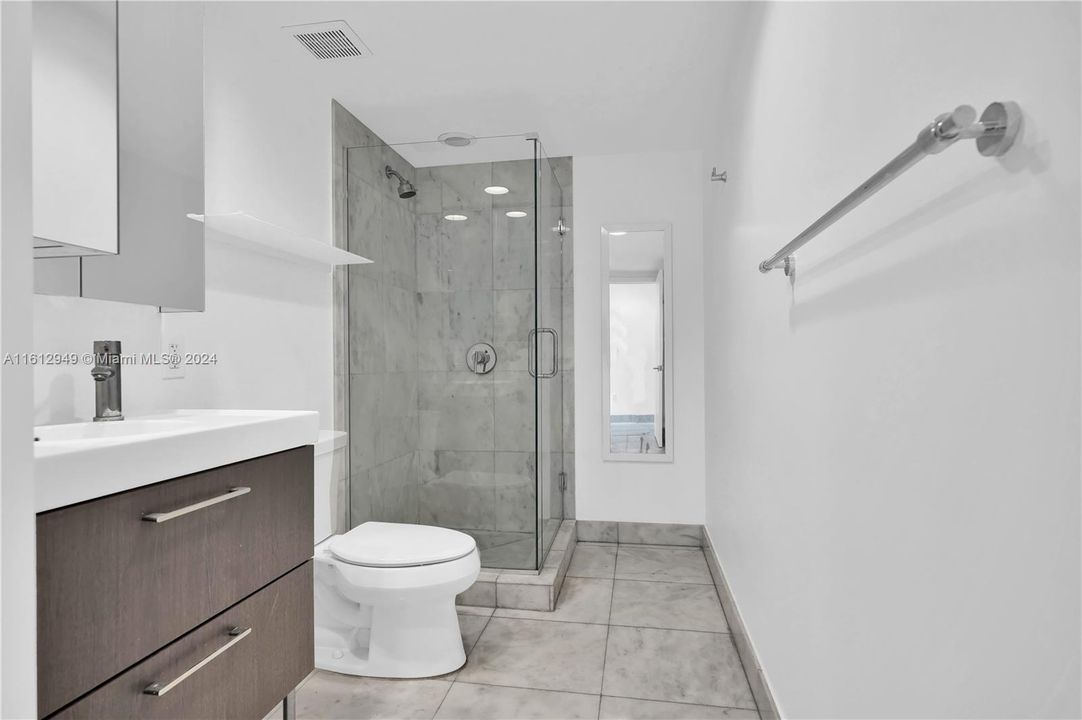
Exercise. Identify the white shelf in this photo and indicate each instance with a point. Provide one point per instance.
(244, 230)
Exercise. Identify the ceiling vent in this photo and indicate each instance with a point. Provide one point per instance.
(333, 40)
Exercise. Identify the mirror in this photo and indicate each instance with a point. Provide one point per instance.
(74, 86)
(157, 154)
(636, 306)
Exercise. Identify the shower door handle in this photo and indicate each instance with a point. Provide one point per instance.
(531, 353)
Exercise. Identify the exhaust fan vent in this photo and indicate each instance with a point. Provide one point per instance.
(329, 40)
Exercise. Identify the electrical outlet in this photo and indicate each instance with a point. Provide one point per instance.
(172, 360)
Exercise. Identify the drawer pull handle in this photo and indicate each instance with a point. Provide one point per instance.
(158, 689)
(163, 516)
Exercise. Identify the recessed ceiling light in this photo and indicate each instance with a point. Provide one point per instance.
(515, 213)
(496, 190)
(455, 217)
(618, 233)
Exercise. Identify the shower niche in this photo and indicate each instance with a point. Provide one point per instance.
(458, 340)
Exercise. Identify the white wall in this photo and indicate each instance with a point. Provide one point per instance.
(642, 187)
(268, 321)
(893, 445)
(18, 667)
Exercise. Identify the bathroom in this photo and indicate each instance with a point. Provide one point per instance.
(540, 359)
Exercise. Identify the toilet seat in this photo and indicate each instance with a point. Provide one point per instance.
(400, 545)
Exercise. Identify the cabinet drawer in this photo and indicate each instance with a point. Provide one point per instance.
(238, 665)
(114, 587)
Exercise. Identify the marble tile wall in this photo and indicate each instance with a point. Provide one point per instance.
(380, 305)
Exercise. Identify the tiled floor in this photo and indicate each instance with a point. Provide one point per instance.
(638, 633)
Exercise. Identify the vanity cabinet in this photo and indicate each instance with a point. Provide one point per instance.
(139, 587)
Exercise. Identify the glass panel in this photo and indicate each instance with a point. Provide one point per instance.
(551, 230)
(442, 405)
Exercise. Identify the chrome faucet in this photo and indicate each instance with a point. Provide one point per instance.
(106, 374)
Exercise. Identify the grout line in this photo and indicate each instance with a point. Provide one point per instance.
(522, 687)
(677, 702)
(608, 630)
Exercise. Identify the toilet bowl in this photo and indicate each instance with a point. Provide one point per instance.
(385, 599)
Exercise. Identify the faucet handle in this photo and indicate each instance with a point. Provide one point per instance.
(101, 373)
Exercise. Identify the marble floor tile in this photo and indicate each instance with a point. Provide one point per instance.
(328, 696)
(675, 666)
(471, 626)
(593, 560)
(676, 606)
(538, 654)
(583, 600)
(488, 702)
(665, 564)
(614, 708)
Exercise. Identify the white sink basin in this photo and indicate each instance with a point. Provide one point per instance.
(83, 461)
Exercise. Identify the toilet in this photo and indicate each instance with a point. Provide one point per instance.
(385, 594)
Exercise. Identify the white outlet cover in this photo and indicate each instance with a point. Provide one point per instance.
(172, 359)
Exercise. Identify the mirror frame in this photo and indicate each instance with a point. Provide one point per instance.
(667, 318)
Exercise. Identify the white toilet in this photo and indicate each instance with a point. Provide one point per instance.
(385, 595)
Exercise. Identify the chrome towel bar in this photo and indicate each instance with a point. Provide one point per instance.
(995, 132)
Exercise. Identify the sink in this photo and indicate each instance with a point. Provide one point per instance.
(82, 461)
(96, 431)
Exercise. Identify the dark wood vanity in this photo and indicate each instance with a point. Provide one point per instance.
(190, 598)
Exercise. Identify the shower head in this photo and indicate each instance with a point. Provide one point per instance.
(405, 187)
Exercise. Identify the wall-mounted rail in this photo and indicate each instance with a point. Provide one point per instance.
(995, 132)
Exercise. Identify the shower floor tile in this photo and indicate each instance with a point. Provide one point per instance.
(599, 654)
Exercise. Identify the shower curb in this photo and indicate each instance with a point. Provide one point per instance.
(522, 589)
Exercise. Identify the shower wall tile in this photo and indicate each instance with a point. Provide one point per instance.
(400, 328)
(366, 323)
(513, 252)
(456, 412)
(399, 251)
(384, 420)
(377, 327)
(429, 199)
(514, 416)
(514, 503)
(514, 314)
(429, 242)
(466, 251)
(454, 255)
(456, 489)
(364, 391)
(512, 356)
(449, 323)
(365, 220)
(395, 490)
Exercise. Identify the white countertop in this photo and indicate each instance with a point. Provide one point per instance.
(82, 461)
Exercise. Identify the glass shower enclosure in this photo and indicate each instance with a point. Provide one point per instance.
(456, 392)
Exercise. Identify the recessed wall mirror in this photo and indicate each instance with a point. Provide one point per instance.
(636, 306)
(121, 83)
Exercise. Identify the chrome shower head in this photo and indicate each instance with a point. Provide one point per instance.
(405, 187)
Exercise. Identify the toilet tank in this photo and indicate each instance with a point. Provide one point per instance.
(329, 482)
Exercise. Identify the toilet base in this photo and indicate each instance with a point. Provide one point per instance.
(404, 641)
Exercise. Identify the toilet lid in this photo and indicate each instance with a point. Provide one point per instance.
(379, 544)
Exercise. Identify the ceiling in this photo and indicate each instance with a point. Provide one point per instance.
(590, 78)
